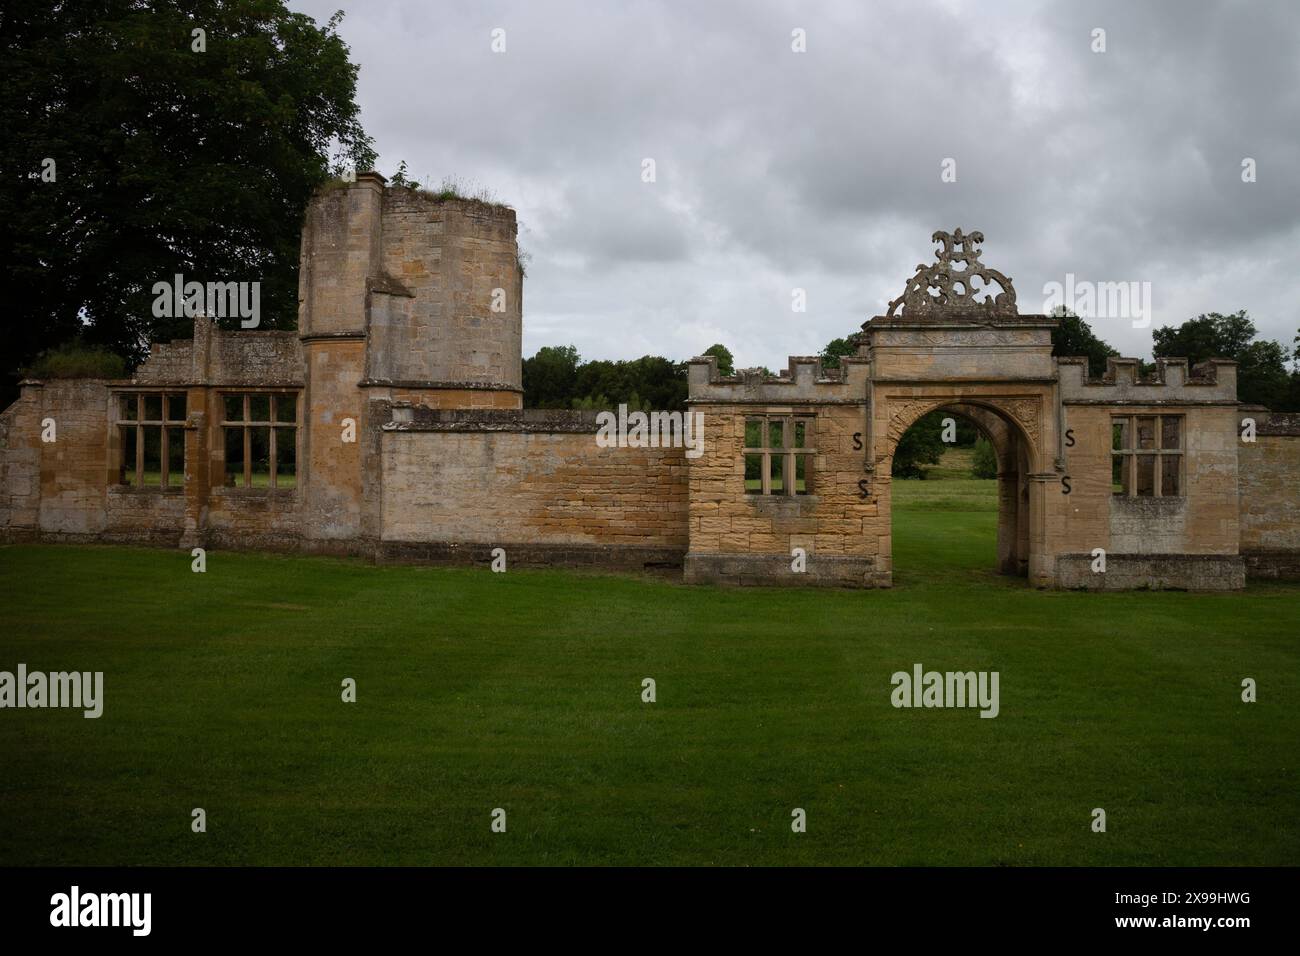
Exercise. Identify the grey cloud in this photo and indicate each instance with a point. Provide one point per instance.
(821, 170)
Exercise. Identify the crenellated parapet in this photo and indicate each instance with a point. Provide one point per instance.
(1172, 381)
(804, 382)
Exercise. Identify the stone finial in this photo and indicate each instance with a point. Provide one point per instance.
(941, 289)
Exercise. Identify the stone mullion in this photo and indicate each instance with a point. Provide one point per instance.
(139, 440)
(270, 446)
(200, 431)
(247, 435)
(162, 448)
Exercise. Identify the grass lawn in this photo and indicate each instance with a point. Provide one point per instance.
(522, 691)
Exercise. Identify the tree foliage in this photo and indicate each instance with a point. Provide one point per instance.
(650, 383)
(921, 445)
(1262, 377)
(166, 159)
(726, 362)
(556, 377)
(835, 350)
(984, 463)
(550, 377)
(1074, 337)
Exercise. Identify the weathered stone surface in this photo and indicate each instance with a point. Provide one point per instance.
(1183, 572)
(774, 570)
(399, 334)
(1269, 493)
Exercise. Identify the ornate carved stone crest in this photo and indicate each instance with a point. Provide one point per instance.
(942, 289)
(1026, 411)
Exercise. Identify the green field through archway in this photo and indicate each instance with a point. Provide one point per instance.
(945, 525)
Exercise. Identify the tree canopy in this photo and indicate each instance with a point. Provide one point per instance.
(136, 148)
(726, 362)
(556, 377)
(1074, 337)
(1262, 376)
(835, 350)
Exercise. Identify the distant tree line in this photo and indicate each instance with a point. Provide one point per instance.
(556, 377)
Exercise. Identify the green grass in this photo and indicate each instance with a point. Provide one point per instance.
(522, 691)
(957, 462)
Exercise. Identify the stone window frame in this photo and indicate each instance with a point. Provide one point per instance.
(168, 426)
(1129, 455)
(246, 425)
(787, 451)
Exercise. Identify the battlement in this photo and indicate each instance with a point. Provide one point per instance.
(1213, 381)
(804, 381)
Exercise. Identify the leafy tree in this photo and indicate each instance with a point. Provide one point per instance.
(661, 381)
(166, 160)
(1074, 337)
(1211, 335)
(557, 378)
(921, 445)
(401, 178)
(1293, 395)
(726, 363)
(550, 377)
(597, 403)
(984, 464)
(1262, 377)
(835, 350)
(650, 382)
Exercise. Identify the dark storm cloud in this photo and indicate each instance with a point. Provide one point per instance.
(821, 170)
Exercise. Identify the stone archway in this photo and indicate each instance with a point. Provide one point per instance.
(1013, 484)
(946, 342)
(1015, 423)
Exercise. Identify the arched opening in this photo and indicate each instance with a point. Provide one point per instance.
(964, 508)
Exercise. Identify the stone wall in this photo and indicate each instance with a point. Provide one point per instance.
(1178, 572)
(1270, 495)
(257, 359)
(143, 516)
(67, 489)
(448, 256)
(170, 363)
(263, 519)
(1151, 541)
(1201, 520)
(75, 468)
(331, 484)
(225, 358)
(398, 332)
(536, 484)
(742, 538)
(749, 538)
(20, 465)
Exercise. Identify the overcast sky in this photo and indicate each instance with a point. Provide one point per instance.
(821, 170)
